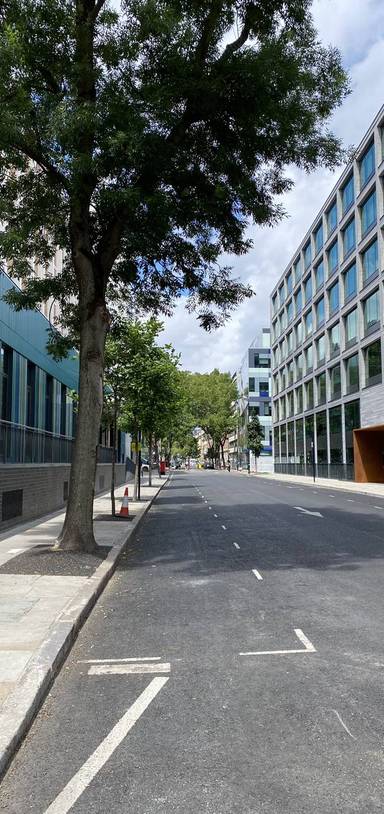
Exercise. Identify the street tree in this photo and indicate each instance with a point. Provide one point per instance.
(141, 140)
(255, 436)
(150, 392)
(212, 400)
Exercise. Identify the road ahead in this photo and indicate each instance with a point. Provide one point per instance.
(234, 664)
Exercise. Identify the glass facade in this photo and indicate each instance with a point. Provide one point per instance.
(321, 437)
(319, 275)
(349, 238)
(368, 214)
(350, 282)
(348, 195)
(373, 363)
(351, 323)
(370, 261)
(332, 219)
(333, 258)
(319, 238)
(333, 298)
(335, 436)
(352, 373)
(367, 165)
(371, 312)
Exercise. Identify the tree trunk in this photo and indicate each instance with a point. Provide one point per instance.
(77, 533)
(136, 478)
(150, 444)
(222, 454)
(113, 473)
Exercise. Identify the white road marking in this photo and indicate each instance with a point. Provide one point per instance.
(331, 495)
(128, 669)
(215, 515)
(350, 500)
(224, 527)
(210, 507)
(120, 661)
(343, 724)
(256, 573)
(237, 546)
(309, 648)
(205, 501)
(378, 507)
(81, 780)
(15, 550)
(306, 511)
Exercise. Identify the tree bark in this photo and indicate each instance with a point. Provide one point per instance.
(136, 478)
(150, 445)
(222, 454)
(77, 533)
(113, 473)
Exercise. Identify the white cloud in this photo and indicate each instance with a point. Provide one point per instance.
(353, 27)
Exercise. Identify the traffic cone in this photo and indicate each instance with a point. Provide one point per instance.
(124, 511)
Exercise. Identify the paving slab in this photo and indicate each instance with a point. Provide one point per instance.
(45, 597)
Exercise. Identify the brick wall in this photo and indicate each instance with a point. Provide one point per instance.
(44, 489)
(372, 406)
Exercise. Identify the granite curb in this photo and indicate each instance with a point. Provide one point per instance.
(20, 708)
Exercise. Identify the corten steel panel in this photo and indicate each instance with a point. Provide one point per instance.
(368, 446)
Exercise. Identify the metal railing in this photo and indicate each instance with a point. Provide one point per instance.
(29, 445)
(337, 471)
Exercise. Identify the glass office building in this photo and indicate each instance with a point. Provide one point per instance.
(327, 331)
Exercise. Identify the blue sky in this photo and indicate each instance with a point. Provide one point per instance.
(356, 27)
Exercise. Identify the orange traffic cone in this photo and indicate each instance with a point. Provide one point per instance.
(124, 511)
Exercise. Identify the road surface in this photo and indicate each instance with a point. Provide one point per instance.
(233, 665)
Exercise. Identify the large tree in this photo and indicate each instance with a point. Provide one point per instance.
(212, 398)
(142, 140)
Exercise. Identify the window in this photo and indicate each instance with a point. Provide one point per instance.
(307, 256)
(49, 404)
(333, 258)
(321, 388)
(308, 289)
(334, 340)
(274, 304)
(309, 359)
(264, 389)
(290, 373)
(352, 422)
(351, 327)
(321, 437)
(371, 313)
(297, 270)
(262, 360)
(282, 413)
(333, 295)
(332, 219)
(349, 238)
(308, 323)
(320, 312)
(63, 410)
(251, 384)
(348, 195)
(373, 363)
(299, 431)
(275, 385)
(320, 350)
(289, 406)
(289, 312)
(299, 333)
(309, 437)
(309, 395)
(283, 321)
(319, 238)
(289, 282)
(319, 275)
(350, 283)
(6, 391)
(367, 165)
(299, 366)
(31, 382)
(281, 294)
(370, 259)
(299, 400)
(335, 436)
(368, 214)
(298, 302)
(289, 343)
(335, 381)
(253, 409)
(352, 373)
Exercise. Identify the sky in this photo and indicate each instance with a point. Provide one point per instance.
(356, 27)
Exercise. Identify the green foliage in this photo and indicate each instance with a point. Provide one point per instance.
(255, 436)
(141, 379)
(212, 397)
(142, 145)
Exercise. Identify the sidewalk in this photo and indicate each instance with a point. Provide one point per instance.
(376, 489)
(44, 599)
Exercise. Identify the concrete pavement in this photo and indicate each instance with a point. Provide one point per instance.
(325, 483)
(44, 597)
(233, 665)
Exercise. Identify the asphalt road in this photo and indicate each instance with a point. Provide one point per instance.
(181, 693)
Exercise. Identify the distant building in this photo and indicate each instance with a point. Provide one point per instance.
(253, 381)
(327, 331)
